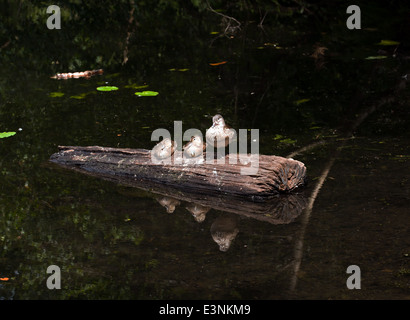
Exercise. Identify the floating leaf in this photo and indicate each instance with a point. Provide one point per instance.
(218, 63)
(277, 137)
(214, 32)
(112, 75)
(270, 44)
(376, 57)
(180, 70)
(147, 94)
(287, 141)
(56, 94)
(298, 102)
(81, 96)
(107, 88)
(388, 43)
(135, 86)
(6, 134)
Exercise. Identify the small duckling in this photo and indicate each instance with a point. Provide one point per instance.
(164, 149)
(219, 134)
(198, 212)
(195, 147)
(168, 203)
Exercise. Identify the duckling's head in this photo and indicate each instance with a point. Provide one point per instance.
(196, 140)
(166, 142)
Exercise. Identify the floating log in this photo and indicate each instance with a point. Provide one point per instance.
(134, 167)
(83, 74)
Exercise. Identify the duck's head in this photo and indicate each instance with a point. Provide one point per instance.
(218, 120)
(196, 140)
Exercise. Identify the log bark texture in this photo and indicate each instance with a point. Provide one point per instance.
(134, 167)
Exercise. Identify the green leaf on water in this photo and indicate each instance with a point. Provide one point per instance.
(287, 141)
(77, 97)
(147, 94)
(277, 137)
(56, 94)
(107, 88)
(376, 57)
(7, 134)
(80, 96)
(388, 43)
(135, 86)
(298, 102)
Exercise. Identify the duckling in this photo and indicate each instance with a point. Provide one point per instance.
(198, 212)
(195, 147)
(164, 149)
(219, 134)
(168, 203)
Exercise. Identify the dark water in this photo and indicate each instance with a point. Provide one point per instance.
(301, 79)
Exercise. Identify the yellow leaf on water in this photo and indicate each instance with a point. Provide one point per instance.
(388, 43)
(298, 102)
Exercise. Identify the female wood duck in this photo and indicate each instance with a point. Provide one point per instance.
(164, 149)
(194, 148)
(219, 134)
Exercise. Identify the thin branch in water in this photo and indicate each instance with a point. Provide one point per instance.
(260, 24)
(306, 148)
(298, 250)
(129, 32)
(228, 29)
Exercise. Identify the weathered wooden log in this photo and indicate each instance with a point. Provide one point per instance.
(221, 177)
(201, 186)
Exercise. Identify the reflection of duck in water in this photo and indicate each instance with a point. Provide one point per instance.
(219, 134)
(224, 231)
(168, 203)
(164, 149)
(199, 212)
(195, 147)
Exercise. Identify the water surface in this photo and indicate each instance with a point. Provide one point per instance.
(300, 80)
